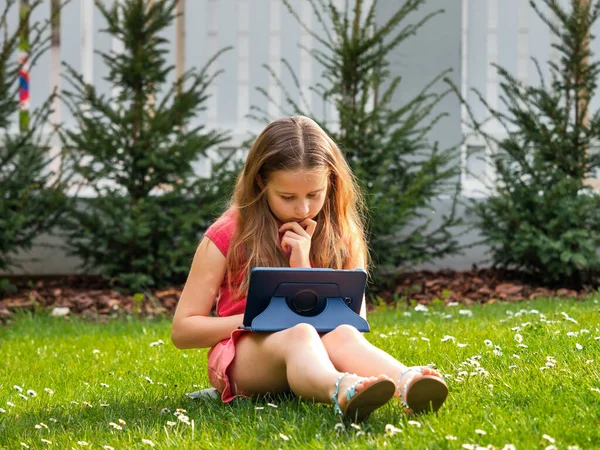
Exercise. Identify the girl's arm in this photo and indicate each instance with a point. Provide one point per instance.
(192, 326)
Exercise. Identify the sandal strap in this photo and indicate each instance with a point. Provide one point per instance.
(349, 392)
(352, 389)
(403, 389)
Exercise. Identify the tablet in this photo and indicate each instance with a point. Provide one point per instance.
(279, 298)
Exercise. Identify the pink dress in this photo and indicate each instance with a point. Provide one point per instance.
(221, 355)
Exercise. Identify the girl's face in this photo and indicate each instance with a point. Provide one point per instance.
(295, 196)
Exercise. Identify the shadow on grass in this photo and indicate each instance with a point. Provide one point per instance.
(259, 418)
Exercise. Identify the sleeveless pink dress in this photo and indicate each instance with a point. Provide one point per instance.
(221, 355)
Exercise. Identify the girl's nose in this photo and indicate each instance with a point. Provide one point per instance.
(302, 208)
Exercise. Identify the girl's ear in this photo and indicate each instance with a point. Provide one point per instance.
(261, 182)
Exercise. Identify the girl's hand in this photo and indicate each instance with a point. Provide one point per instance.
(297, 239)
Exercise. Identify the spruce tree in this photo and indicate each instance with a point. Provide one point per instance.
(31, 192)
(541, 216)
(134, 150)
(400, 170)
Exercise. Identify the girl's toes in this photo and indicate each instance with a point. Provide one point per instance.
(430, 371)
(383, 377)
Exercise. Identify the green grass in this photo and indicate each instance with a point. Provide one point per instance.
(103, 374)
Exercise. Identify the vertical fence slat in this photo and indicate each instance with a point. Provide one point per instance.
(87, 40)
(491, 91)
(523, 13)
(291, 33)
(196, 20)
(258, 54)
(274, 55)
(306, 60)
(212, 46)
(243, 79)
(227, 81)
(477, 58)
(507, 39)
(102, 44)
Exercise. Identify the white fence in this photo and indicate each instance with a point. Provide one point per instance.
(507, 32)
(259, 32)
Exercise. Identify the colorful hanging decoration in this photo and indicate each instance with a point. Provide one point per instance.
(24, 66)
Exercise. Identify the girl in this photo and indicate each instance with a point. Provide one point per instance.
(296, 204)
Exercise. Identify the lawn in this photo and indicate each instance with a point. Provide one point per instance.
(522, 375)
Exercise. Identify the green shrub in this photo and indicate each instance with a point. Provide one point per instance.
(135, 153)
(541, 217)
(31, 193)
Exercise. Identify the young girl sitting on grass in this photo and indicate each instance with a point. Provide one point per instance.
(296, 204)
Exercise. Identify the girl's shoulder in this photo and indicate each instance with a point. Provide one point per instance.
(221, 231)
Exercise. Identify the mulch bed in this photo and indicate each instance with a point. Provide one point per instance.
(474, 286)
(90, 297)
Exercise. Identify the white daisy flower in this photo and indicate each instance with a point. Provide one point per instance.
(390, 430)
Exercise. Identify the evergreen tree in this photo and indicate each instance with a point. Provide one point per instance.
(541, 217)
(135, 151)
(31, 194)
(400, 171)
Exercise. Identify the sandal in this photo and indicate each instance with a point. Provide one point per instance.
(361, 404)
(426, 393)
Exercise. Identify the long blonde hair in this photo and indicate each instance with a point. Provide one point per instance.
(294, 143)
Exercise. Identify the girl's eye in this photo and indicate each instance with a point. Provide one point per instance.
(289, 199)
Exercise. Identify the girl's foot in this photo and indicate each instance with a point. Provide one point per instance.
(357, 397)
(421, 389)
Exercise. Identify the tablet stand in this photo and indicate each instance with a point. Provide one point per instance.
(279, 316)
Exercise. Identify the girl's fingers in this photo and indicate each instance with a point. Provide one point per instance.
(309, 226)
(293, 235)
(290, 241)
(294, 227)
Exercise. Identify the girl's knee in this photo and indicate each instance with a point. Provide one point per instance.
(344, 334)
(303, 332)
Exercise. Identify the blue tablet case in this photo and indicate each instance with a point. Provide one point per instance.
(279, 298)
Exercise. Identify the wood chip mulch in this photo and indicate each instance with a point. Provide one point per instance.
(89, 297)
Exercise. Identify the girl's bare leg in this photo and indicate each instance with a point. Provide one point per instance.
(349, 351)
(290, 359)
